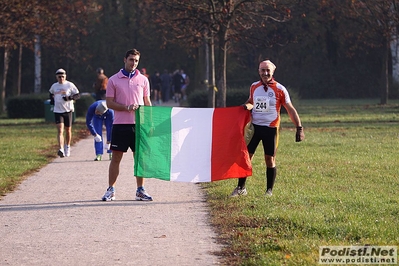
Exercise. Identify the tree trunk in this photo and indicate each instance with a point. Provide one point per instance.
(19, 70)
(385, 76)
(222, 80)
(211, 86)
(223, 86)
(209, 77)
(38, 65)
(3, 87)
(395, 60)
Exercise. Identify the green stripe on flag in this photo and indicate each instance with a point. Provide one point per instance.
(153, 138)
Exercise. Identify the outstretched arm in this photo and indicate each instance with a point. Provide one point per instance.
(299, 135)
(89, 120)
(293, 114)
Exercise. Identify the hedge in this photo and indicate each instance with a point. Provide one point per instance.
(33, 106)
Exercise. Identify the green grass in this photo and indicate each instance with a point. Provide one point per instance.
(337, 187)
(26, 146)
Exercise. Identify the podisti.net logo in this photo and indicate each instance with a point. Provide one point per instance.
(358, 254)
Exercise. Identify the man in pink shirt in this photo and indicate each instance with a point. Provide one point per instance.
(126, 91)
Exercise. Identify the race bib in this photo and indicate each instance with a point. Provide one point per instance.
(262, 104)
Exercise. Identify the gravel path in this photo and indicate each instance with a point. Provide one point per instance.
(56, 217)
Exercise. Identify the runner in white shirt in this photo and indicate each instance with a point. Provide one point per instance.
(62, 95)
(265, 101)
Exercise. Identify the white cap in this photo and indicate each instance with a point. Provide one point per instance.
(60, 72)
(101, 107)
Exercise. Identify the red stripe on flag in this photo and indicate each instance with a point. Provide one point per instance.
(230, 158)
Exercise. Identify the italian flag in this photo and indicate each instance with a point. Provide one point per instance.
(191, 144)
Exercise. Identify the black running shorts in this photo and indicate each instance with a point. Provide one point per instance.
(123, 137)
(269, 138)
(65, 118)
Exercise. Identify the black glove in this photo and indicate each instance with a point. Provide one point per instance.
(67, 98)
(51, 96)
(300, 135)
(71, 97)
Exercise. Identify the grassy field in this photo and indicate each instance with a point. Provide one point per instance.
(337, 187)
(26, 146)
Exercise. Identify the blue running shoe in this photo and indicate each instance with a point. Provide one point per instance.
(109, 194)
(141, 194)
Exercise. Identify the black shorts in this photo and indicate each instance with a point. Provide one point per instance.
(123, 137)
(177, 89)
(269, 138)
(65, 118)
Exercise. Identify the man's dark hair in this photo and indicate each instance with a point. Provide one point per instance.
(132, 52)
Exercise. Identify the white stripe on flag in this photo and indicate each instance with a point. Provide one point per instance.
(191, 145)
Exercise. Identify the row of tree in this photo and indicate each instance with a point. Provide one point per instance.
(328, 48)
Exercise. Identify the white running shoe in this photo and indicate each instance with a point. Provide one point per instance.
(239, 192)
(67, 151)
(141, 194)
(109, 194)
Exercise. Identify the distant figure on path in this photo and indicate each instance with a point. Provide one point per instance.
(62, 95)
(100, 85)
(166, 81)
